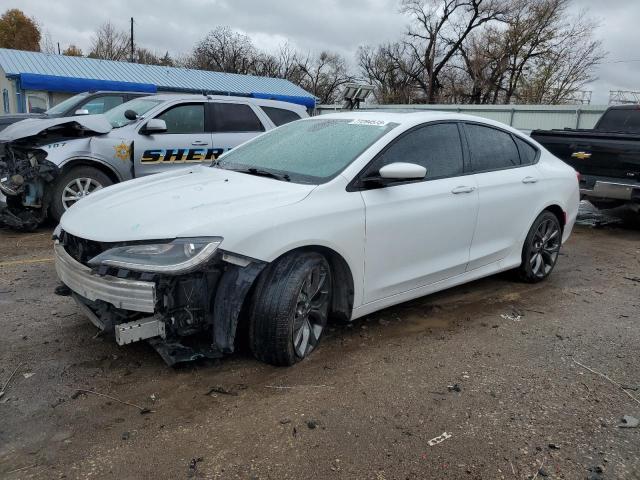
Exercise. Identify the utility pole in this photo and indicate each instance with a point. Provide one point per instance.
(58, 48)
(132, 48)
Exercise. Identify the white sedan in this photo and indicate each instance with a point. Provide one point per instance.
(335, 216)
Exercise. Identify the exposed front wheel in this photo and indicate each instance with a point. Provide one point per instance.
(289, 309)
(541, 248)
(73, 186)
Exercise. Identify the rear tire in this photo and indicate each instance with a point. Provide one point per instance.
(289, 309)
(541, 248)
(81, 181)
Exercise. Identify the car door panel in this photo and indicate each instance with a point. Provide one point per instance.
(505, 197)
(420, 232)
(508, 190)
(417, 234)
(185, 142)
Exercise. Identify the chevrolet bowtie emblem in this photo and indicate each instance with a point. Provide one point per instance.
(581, 155)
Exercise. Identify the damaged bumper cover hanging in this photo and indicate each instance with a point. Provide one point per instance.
(184, 317)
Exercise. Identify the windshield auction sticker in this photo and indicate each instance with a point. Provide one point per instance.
(371, 123)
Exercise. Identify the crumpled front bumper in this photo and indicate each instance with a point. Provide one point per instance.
(123, 293)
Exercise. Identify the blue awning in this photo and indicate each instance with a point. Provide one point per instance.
(308, 102)
(52, 83)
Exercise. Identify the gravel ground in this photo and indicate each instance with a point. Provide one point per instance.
(494, 364)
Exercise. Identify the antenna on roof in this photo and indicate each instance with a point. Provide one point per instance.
(354, 93)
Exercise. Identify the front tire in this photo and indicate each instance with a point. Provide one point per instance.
(74, 185)
(290, 306)
(541, 248)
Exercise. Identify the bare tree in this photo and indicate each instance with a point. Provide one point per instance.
(324, 75)
(109, 43)
(224, 50)
(390, 80)
(438, 29)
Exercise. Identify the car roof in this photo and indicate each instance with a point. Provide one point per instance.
(256, 101)
(409, 119)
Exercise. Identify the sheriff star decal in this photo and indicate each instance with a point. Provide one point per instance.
(122, 151)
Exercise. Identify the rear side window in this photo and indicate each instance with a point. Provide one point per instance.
(280, 116)
(620, 120)
(235, 117)
(527, 152)
(435, 147)
(491, 149)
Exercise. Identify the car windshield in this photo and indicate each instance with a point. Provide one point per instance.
(65, 105)
(306, 151)
(139, 105)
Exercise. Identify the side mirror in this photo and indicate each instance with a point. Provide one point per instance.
(81, 111)
(403, 171)
(155, 125)
(130, 114)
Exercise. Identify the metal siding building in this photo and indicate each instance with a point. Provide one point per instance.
(58, 76)
(522, 117)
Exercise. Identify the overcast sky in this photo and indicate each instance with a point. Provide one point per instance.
(175, 25)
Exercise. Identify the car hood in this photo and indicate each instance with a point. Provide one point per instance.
(81, 125)
(199, 201)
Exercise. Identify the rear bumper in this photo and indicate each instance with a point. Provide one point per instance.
(126, 294)
(613, 190)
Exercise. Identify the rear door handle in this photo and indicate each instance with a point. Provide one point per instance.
(529, 180)
(462, 189)
(200, 143)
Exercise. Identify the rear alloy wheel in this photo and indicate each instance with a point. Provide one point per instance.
(290, 308)
(73, 186)
(541, 248)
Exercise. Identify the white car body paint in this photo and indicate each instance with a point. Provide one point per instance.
(400, 243)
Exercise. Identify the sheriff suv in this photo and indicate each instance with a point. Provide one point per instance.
(47, 165)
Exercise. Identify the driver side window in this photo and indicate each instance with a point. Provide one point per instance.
(184, 118)
(436, 147)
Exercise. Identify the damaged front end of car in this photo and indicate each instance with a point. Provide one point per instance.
(183, 296)
(24, 172)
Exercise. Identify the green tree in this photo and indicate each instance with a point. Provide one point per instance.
(18, 31)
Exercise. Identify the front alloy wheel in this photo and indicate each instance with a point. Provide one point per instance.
(77, 189)
(541, 248)
(290, 306)
(73, 185)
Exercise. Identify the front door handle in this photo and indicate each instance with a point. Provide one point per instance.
(529, 180)
(462, 189)
(199, 143)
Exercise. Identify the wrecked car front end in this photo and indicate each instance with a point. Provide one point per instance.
(24, 172)
(183, 296)
(26, 166)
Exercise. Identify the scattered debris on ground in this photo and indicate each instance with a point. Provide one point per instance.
(6, 384)
(221, 390)
(629, 422)
(80, 391)
(439, 439)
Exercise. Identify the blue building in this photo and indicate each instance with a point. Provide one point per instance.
(34, 81)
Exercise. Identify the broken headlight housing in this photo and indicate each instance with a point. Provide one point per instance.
(179, 256)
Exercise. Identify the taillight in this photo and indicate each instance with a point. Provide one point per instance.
(578, 176)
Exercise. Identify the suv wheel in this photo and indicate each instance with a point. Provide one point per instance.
(289, 308)
(541, 248)
(74, 185)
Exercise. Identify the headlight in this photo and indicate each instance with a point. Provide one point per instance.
(179, 256)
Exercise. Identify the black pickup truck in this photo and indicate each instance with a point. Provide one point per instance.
(607, 157)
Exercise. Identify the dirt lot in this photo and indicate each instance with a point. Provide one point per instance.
(365, 405)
